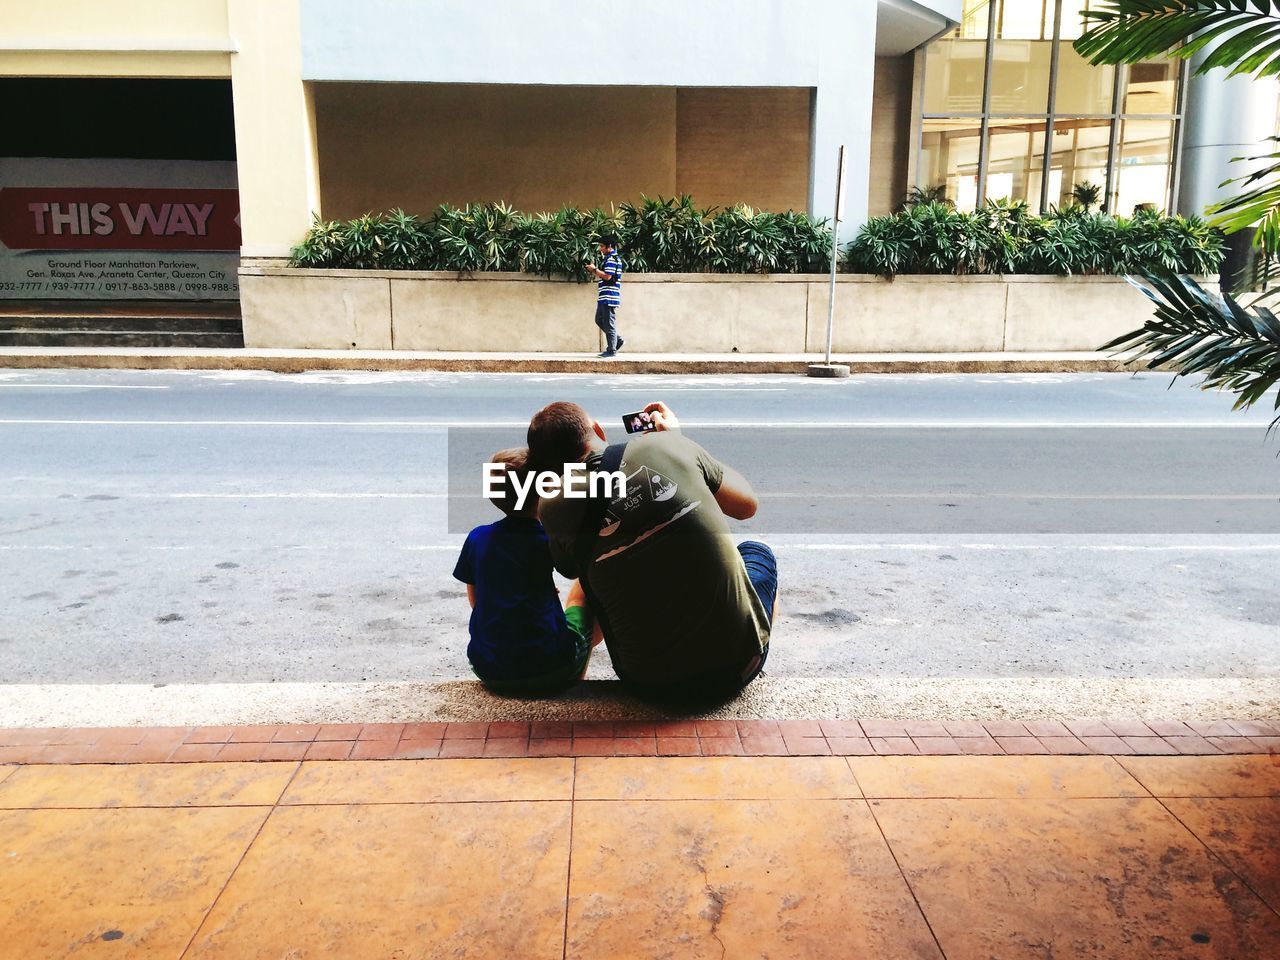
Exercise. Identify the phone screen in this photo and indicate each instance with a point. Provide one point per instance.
(640, 422)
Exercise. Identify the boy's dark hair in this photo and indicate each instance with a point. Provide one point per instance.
(515, 463)
(609, 240)
(559, 433)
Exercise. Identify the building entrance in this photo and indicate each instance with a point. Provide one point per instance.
(119, 212)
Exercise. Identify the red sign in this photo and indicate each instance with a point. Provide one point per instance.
(95, 218)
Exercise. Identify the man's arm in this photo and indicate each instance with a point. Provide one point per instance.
(736, 497)
(599, 274)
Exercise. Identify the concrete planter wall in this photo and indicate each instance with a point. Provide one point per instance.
(681, 313)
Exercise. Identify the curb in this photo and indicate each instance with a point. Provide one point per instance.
(784, 365)
(688, 738)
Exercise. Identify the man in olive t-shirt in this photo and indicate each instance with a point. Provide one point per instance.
(685, 613)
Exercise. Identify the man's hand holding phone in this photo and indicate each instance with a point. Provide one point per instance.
(654, 417)
(661, 417)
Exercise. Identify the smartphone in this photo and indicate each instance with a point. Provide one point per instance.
(641, 422)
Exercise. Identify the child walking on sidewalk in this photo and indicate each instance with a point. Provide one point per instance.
(609, 293)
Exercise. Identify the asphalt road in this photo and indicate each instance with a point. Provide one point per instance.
(191, 530)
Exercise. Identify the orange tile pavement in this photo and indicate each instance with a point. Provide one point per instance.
(666, 857)
(603, 738)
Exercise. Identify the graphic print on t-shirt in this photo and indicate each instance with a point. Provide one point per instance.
(645, 488)
(660, 488)
(609, 524)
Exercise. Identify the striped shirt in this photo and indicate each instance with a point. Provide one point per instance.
(610, 288)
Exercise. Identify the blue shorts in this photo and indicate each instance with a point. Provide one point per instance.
(762, 570)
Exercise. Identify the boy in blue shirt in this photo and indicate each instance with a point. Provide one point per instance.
(609, 293)
(522, 642)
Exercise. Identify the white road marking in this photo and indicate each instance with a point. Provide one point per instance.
(690, 424)
(309, 495)
(299, 495)
(1085, 547)
(939, 495)
(185, 547)
(1030, 495)
(777, 547)
(85, 386)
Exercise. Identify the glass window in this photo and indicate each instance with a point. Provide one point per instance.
(1082, 88)
(949, 156)
(1022, 51)
(1143, 167)
(1152, 87)
(955, 66)
(1016, 90)
(1024, 19)
(1015, 159)
(1020, 77)
(1073, 24)
(953, 72)
(1078, 155)
(973, 19)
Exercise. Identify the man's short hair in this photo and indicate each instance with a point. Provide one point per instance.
(559, 433)
(515, 463)
(608, 239)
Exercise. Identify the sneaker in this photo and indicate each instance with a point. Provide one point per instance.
(607, 354)
(619, 347)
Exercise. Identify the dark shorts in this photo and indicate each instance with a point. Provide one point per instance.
(556, 679)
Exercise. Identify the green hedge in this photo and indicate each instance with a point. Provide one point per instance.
(656, 236)
(674, 236)
(1003, 237)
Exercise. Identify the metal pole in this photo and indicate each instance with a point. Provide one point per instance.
(1046, 163)
(1113, 175)
(1180, 104)
(829, 369)
(835, 249)
(984, 130)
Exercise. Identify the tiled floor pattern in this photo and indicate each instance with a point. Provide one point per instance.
(694, 738)
(865, 856)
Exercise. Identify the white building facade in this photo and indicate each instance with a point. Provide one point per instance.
(331, 108)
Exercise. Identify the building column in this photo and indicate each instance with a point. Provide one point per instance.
(276, 157)
(842, 115)
(1222, 119)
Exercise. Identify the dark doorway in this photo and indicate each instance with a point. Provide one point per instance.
(140, 119)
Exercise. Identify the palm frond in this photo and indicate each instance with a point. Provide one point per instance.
(1198, 333)
(1243, 35)
(1258, 205)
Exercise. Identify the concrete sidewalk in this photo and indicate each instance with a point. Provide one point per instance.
(725, 857)
(298, 361)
